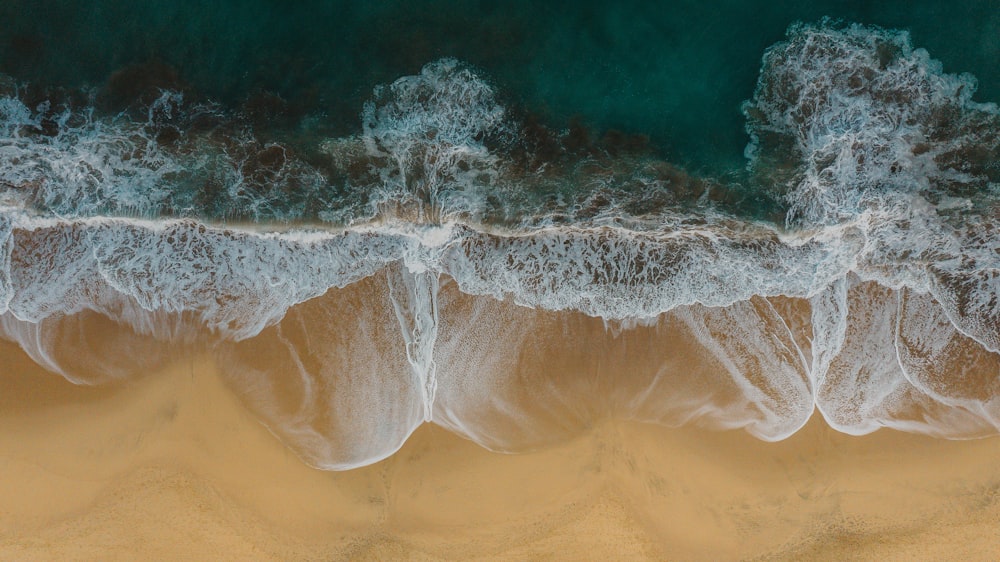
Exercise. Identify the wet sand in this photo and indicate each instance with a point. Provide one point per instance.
(172, 466)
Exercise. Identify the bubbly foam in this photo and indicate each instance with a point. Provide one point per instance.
(431, 128)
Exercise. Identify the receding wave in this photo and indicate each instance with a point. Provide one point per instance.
(455, 264)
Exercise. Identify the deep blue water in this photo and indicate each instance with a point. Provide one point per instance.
(675, 71)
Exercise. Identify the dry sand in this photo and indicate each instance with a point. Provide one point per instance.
(173, 466)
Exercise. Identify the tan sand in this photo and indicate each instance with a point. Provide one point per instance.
(172, 466)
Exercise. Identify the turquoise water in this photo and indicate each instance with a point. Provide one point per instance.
(675, 71)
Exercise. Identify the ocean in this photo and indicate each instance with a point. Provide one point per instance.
(512, 220)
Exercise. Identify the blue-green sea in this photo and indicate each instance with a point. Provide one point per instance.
(676, 71)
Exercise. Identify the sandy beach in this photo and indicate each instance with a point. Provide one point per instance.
(173, 466)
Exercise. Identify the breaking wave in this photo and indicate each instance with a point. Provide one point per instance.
(454, 263)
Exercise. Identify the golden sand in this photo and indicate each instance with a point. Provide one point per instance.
(173, 466)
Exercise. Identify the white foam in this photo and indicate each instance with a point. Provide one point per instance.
(870, 116)
(431, 129)
(621, 274)
(414, 300)
(891, 145)
(235, 282)
(89, 165)
(6, 288)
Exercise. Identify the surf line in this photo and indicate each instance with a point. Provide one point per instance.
(413, 291)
